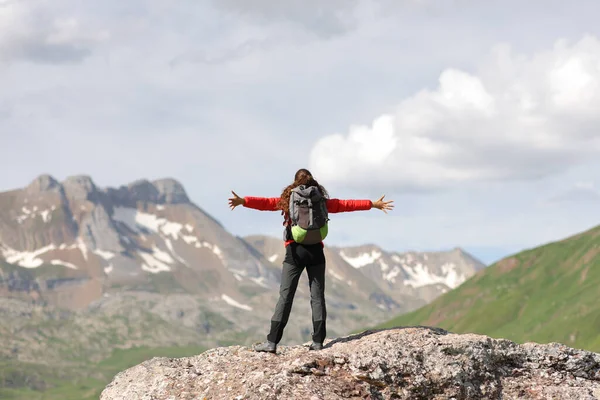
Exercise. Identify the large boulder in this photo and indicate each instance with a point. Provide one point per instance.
(399, 363)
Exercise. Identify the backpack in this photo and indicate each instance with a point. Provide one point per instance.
(308, 215)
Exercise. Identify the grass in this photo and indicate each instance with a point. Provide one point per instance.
(23, 381)
(546, 294)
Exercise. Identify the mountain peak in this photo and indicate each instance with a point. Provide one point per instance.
(79, 187)
(458, 250)
(170, 191)
(162, 191)
(144, 190)
(43, 183)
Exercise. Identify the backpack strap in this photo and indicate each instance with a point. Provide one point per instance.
(287, 220)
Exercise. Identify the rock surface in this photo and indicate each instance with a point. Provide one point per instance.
(399, 363)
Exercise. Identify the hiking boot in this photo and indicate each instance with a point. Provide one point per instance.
(316, 346)
(267, 346)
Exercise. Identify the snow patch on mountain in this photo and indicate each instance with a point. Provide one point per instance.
(30, 259)
(152, 264)
(273, 257)
(240, 272)
(234, 303)
(419, 275)
(107, 255)
(109, 269)
(45, 215)
(384, 266)
(64, 264)
(135, 219)
(162, 256)
(175, 255)
(192, 240)
(453, 279)
(335, 275)
(261, 281)
(362, 259)
(79, 244)
(33, 213)
(26, 259)
(215, 249)
(82, 247)
(391, 276)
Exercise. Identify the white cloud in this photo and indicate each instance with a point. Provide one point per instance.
(516, 118)
(246, 82)
(35, 31)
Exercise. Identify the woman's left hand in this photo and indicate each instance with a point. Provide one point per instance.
(383, 205)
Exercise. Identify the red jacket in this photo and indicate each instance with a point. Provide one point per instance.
(333, 206)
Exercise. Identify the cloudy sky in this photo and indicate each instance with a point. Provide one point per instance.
(480, 119)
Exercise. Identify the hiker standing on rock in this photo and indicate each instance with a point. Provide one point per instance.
(305, 205)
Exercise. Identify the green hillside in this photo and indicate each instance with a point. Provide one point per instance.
(20, 381)
(547, 294)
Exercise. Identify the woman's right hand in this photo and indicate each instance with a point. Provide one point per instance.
(235, 201)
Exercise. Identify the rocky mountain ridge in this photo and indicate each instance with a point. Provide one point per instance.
(119, 237)
(399, 363)
(409, 278)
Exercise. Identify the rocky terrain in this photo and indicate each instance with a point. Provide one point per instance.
(398, 363)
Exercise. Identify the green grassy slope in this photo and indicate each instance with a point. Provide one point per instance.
(24, 381)
(547, 294)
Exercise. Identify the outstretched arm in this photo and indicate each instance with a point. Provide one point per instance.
(383, 205)
(257, 203)
(338, 206)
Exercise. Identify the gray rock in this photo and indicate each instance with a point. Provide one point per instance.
(43, 183)
(143, 190)
(170, 191)
(399, 363)
(80, 188)
(98, 232)
(162, 191)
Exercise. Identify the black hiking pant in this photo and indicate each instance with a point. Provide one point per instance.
(298, 257)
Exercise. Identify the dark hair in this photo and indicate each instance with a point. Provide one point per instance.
(302, 177)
